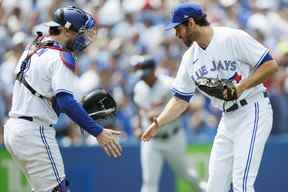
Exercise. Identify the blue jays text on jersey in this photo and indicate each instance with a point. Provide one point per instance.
(216, 65)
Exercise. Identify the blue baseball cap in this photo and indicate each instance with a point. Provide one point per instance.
(183, 12)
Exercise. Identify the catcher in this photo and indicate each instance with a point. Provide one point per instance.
(43, 89)
(229, 67)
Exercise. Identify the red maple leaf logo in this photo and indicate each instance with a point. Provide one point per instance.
(236, 77)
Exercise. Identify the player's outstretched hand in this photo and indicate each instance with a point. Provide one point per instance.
(108, 139)
(150, 132)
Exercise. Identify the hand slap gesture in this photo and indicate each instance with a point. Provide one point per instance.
(108, 139)
(150, 132)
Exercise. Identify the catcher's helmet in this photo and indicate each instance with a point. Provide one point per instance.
(76, 20)
(101, 106)
(72, 18)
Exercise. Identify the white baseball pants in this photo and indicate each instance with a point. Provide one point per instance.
(33, 146)
(238, 147)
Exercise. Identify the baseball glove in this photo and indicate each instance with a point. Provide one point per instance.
(223, 89)
(101, 106)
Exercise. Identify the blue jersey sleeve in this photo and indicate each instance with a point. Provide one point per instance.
(68, 105)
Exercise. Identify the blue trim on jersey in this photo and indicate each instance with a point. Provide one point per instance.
(55, 170)
(68, 105)
(250, 153)
(68, 60)
(181, 93)
(265, 57)
(63, 90)
(183, 97)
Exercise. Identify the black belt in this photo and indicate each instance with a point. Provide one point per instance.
(242, 102)
(165, 136)
(26, 118)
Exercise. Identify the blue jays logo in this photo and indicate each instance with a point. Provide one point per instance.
(225, 65)
(220, 65)
(236, 77)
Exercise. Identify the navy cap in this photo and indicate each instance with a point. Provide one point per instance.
(183, 12)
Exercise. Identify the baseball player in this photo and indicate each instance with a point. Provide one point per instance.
(223, 53)
(150, 95)
(43, 89)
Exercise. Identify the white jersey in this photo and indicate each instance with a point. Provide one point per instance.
(231, 54)
(154, 98)
(50, 71)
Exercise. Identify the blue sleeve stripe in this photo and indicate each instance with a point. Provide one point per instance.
(63, 90)
(183, 97)
(267, 57)
(181, 93)
(260, 61)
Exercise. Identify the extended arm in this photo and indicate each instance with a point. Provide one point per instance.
(172, 111)
(68, 105)
(174, 108)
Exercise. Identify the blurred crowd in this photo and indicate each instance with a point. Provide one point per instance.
(130, 28)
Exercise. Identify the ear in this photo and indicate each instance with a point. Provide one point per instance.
(66, 31)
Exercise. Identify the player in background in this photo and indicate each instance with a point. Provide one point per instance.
(150, 95)
(224, 53)
(43, 89)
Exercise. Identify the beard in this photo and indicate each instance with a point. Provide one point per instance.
(187, 42)
(191, 36)
(69, 44)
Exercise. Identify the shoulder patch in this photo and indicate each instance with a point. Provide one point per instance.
(68, 60)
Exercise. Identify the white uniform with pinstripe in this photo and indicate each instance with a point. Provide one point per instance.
(32, 144)
(243, 132)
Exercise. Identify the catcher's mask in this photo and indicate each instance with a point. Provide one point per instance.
(101, 106)
(76, 20)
